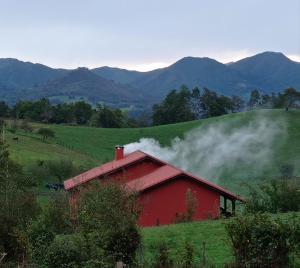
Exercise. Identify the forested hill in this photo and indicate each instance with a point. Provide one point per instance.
(267, 72)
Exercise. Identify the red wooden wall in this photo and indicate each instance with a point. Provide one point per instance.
(162, 203)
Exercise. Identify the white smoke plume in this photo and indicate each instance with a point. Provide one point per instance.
(211, 151)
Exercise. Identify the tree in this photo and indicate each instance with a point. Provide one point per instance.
(108, 118)
(254, 100)
(18, 207)
(174, 108)
(291, 97)
(46, 133)
(83, 112)
(107, 217)
(214, 105)
(237, 104)
(4, 109)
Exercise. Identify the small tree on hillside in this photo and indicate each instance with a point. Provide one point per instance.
(46, 133)
(291, 97)
(254, 100)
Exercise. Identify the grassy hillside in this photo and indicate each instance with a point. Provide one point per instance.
(212, 233)
(88, 146)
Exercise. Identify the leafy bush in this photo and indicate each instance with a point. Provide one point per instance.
(187, 258)
(67, 251)
(46, 133)
(25, 125)
(18, 207)
(163, 259)
(107, 217)
(54, 220)
(53, 170)
(277, 196)
(258, 240)
(105, 232)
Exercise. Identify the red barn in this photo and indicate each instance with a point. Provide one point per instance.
(162, 188)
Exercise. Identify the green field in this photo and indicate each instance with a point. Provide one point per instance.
(210, 235)
(89, 147)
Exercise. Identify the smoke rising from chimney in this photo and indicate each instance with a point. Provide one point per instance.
(221, 148)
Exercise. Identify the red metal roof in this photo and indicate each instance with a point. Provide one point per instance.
(168, 172)
(158, 176)
(103, 170)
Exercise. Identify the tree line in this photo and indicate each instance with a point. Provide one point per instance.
(79, 113)
(186, 105)
(178, 106)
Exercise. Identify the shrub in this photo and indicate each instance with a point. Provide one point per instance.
(163, 259)
(18, 207)
(107, 217)
(52, 170)
(46, 133)
(67, 251)
(54, 220)
(187, 258)
(191, 207)
(258, 240)
(276, 196)
(26, 126)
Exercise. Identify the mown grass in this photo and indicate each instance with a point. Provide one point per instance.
(30, 148)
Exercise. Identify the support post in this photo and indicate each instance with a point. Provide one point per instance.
(233, 207)
(225, 204)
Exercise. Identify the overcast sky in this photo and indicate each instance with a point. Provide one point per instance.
(143, 35)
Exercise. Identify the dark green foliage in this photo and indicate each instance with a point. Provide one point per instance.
(186, 105)
(188, 255)
(40, 110)
(4, 109)
(108, 118)
(53, 171)
(290, 98)
(107, 218)
(255, 100)
(276, 196)
(213, 104)
(67, 251)
(175, 108)
(82, 112)
(17, 207)
(54, 220)
(105, 231)
(258, 240)
(46, 133)
(162, 259)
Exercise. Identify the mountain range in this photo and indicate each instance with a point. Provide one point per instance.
(267, 72)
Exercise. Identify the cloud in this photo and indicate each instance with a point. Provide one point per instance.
(294, 57)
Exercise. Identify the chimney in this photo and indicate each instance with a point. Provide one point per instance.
(119, 152)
